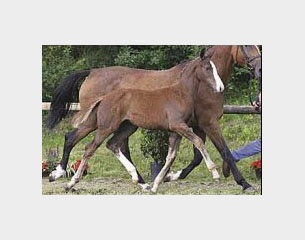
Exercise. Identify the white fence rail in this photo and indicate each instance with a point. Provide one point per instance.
(228, 109)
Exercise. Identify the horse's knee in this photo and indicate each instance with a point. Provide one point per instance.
(112, 146)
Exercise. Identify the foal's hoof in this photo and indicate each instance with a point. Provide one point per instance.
(225, 169)
(217, 180)
(145, 187)
(68, 188)
(153, 190)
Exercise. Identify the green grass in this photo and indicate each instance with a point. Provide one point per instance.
(238, 130)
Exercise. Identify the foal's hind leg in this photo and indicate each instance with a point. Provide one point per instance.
(186, 132)
(117, 144)
(181, 174)
(89, 151)
(71, 139)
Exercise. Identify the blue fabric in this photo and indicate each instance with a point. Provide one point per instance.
(248, 150)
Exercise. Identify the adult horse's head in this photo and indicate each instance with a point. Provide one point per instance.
(250, 55)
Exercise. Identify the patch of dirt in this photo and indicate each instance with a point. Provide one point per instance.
(120, 186)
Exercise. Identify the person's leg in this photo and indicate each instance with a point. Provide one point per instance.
(248, 150)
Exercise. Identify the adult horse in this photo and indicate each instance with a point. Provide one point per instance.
(101, 81)
(173, 110)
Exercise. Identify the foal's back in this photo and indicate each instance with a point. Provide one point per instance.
(150, 109)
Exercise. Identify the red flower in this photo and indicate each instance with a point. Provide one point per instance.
(75, 166)
(256, 164)
(44, 166)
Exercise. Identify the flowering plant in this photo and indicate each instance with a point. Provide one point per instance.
(49, 166)
(76, 165)
(51, 160)
(256, 164)
(44, 167)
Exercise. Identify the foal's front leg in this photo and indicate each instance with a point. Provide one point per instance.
(182, 174)
(174, 141)
(186, 132)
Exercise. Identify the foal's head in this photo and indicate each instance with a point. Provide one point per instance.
(207, 71)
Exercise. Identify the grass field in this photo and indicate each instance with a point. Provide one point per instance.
(107, 176)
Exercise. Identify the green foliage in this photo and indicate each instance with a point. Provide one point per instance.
(60, 61)
(154, 144)
(56, 61)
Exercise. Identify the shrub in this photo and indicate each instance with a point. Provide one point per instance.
(155, 145)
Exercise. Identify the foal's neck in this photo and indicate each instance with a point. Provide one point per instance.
(187, 77)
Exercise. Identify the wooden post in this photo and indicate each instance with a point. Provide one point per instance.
(234, 109)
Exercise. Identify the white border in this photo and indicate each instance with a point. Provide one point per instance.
(33, 24)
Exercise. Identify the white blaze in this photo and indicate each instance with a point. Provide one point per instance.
(219, 85)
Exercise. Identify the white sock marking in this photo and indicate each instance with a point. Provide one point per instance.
(219, 84)
(58, 172)
(128, 165)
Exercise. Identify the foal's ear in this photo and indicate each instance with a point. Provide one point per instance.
(202, 53)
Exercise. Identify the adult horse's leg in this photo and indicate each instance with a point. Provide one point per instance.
(225, 169)
(214, 132)
(174, 141)
(71, 139)
(181, 174)
(118, 144)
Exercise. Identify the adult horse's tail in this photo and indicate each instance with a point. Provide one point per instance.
(64, 95)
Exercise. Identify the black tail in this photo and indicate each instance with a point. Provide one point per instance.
(64, 95)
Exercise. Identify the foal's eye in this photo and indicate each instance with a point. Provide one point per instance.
(208, 67)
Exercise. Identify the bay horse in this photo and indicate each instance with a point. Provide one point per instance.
(169, 108)
(101, 81)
